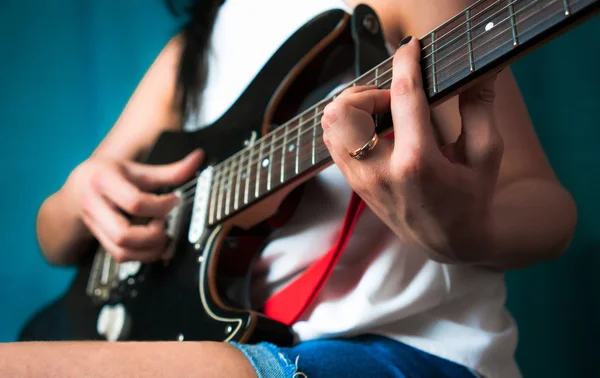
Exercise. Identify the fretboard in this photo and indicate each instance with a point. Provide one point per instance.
(487, 35)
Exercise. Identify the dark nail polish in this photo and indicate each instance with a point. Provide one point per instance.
(405, 41)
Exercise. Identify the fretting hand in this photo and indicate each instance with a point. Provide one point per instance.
(107, 187)
(436, 197)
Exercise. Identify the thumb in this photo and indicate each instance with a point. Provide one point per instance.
(483, 145)
(151, 177)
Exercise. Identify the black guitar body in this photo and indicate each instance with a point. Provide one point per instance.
(186, 299)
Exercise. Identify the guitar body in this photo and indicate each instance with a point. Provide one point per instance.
(185, 298)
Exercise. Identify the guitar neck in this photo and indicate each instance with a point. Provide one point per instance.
(483, 38)
(490, 35)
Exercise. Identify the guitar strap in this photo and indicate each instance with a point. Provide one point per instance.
(288, 304)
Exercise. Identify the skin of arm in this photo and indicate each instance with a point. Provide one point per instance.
(533, 215)
(61, 234)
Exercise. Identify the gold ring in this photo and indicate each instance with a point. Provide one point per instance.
(360, 153)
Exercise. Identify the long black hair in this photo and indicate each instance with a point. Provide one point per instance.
(196, 32)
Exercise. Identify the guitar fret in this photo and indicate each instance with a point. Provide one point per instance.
(377, 76)
(297, 170)
(566, 5)
(270, 162)
(513, 24)
(258, 164)
(283, 148)
(229, 185)
(248, 170)
(433, 63)
(220, 196)
(213, 196)
(470, 41)
(386, 76)
(314, 135)
(236, 202)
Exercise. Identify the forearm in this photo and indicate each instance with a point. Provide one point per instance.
(531, 221)
(61, 234)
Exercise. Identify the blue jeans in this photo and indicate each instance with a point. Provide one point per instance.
(360, 356)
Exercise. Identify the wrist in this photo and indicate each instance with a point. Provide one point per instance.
(468, 242)
(61, 232)
(478, 244)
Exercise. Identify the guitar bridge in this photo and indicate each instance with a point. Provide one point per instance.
(102, 276)
(106, 274)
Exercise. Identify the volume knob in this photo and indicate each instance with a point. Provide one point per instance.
(113, 322)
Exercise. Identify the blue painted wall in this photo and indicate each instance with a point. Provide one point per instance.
(67, 67)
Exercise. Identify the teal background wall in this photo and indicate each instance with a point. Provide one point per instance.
(67, 67)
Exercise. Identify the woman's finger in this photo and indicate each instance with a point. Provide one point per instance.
(410, 108)
(153, 177)
(119, 230)
(351, 90)
(349, 119)
(121, 254)
(113, 185)
(348, 125)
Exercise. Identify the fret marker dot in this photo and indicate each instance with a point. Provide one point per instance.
(489, 26)
(244, 176)
(265, 163)
(291, 148)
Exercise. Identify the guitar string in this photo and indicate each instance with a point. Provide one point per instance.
(235, 165)
(191, 182)
(308, 111)
(185, 188)
(190, 187)
(223, 177)
(305, 122)
(220, 168)
(307, 157)
(312, 108)
(445, 36)
(483, 34)
(514, 14)
(473, 28)
(253, 152)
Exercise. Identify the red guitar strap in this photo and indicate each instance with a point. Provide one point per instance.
(289, 303)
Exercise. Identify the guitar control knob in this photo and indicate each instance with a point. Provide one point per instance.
(129, 269)
(113, 322)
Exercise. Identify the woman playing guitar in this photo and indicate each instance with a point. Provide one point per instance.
(459, 193)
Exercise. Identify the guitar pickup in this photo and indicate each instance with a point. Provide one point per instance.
(200, 207)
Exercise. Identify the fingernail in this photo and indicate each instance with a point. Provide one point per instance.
(405, 41)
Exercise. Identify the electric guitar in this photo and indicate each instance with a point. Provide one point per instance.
(258, 155)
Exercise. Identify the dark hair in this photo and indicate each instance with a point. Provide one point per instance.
(196, 33)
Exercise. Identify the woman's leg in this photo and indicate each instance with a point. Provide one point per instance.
(361, 356)
(130, 359)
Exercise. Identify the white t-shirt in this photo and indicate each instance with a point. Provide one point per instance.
(379, 285)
